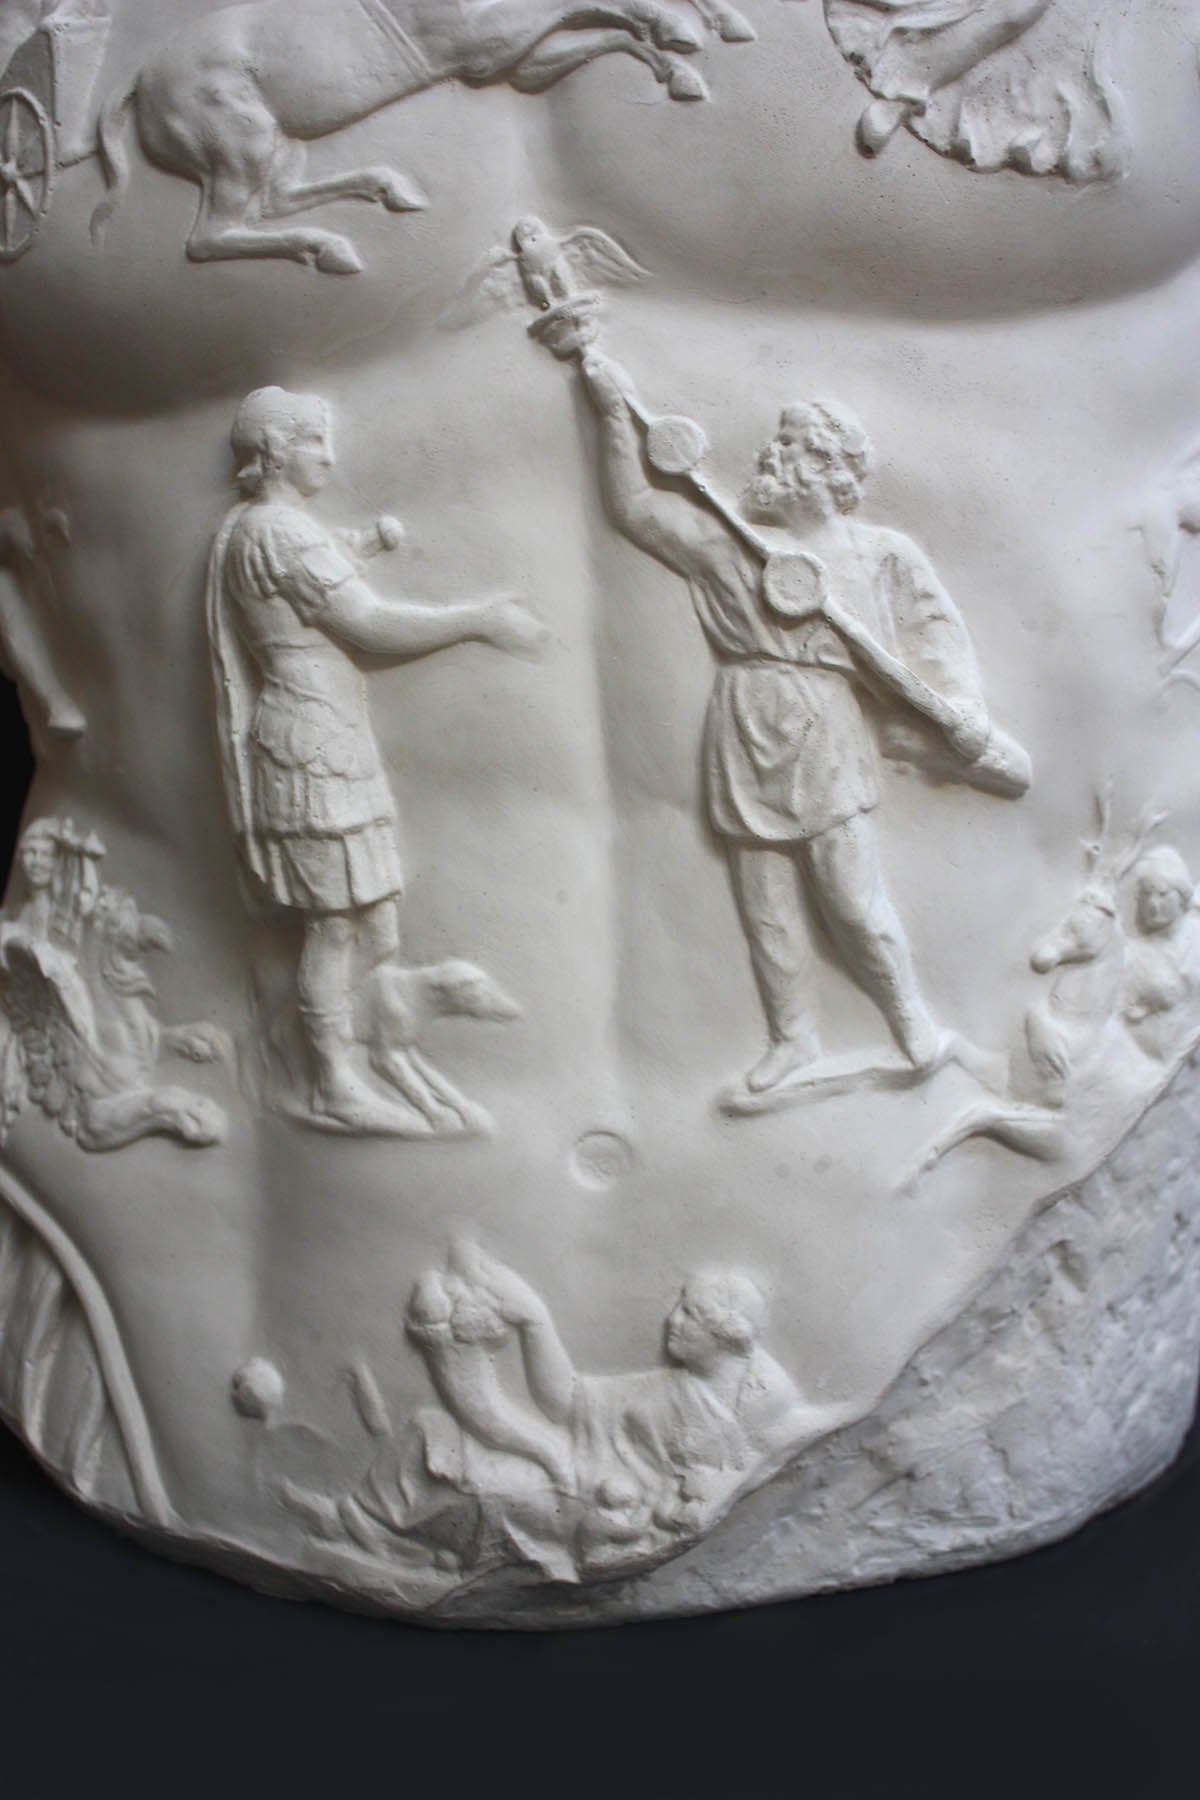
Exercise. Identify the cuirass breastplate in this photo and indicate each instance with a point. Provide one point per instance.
(572, 1007)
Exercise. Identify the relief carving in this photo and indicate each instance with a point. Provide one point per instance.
(1018, 84)
(45, 102)
(805, 609)
(27, 596)
(1169, 516)
(289, 610)
(542, 270)
(65, 1381)
(533, 1462)
(1123, 967)
(80, 1034)
(231, 101)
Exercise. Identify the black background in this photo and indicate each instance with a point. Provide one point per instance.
(1068, 1673)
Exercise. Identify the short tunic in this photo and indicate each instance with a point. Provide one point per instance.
(322, 815)
(787, 754)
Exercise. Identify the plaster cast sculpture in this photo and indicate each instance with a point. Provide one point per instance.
(309, 799)
(1017, 83)
(796, 623)
(544, 1231)
(27, 589)
(82, 1037)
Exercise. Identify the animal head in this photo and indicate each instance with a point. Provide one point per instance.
(461, 990)
(1094, 921)
(1083, 935)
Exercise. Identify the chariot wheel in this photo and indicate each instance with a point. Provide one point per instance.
(26, 170)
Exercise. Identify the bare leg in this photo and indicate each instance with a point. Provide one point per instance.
(324, 985)
(767, 885)
(843, 866)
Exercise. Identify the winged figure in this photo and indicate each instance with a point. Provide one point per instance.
(80, 1036)
(539, 269)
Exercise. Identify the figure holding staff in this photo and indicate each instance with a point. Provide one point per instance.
(800, 624)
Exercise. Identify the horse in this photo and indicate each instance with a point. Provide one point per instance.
(1073, 1036)
(231, 100)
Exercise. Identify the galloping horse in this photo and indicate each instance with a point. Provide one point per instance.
(231, 100)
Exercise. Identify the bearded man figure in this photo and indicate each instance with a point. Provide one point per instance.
(789, 767)
(311, 803)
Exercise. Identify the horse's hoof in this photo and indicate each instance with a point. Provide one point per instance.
(338, 257)
(733, 29)
(687, 84)
(671, 31)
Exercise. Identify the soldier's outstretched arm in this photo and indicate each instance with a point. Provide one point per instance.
(661, 522)
(406, 629)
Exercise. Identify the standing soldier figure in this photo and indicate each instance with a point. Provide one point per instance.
(310, 799)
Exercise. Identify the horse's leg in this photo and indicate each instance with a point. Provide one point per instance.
(484, 46)
(558, 57)
(290, 192)
(383, 186)
(1025, 1130)
(726, 21)
(230, 196)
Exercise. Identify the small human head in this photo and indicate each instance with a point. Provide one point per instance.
(282, 438)
(718, 1314)
(1163, 889)
(816, 465)
(40, 845)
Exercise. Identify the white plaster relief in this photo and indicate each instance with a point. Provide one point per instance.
(45, 107)
(803, 607)
(575, 1476)
(27, 597)
(1063, 1385)
(65, 1382)
(1123, 967)
(289, 611)
(996, 338)
(1168, 517)
(81, 1036)
(279, 73)
(1018, 84)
